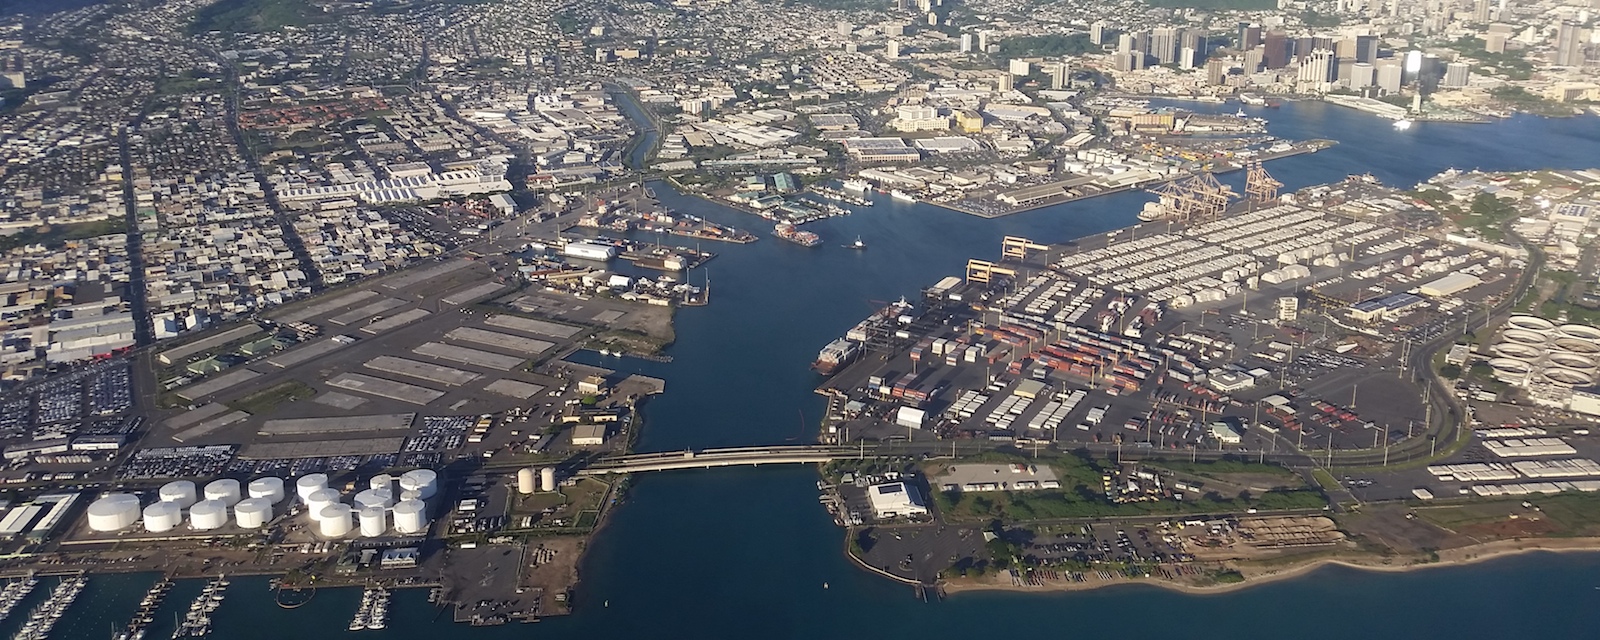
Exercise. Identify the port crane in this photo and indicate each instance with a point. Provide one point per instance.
(1018, 247)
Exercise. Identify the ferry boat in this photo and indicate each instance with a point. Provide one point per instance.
(836, 355)
(1258, 100)
(793, 234)
(902, 196)
(861, 186)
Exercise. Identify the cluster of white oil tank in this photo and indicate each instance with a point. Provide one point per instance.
(250, 505)
(531, 479)
(119, 511)
(1534, 350)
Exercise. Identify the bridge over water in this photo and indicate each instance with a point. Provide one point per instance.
(754, 456)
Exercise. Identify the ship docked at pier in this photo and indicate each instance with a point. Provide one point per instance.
(883, 325)
(793, 234)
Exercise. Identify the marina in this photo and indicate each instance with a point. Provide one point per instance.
(373, 613)
(15, 591)
(45, 616)
(145, 616)
(196, 622)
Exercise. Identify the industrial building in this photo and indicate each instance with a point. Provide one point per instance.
(896, 500)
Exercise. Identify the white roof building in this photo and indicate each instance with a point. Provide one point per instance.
(896, 500)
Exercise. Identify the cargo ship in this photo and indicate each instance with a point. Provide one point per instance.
(793, 234)
(837, 354)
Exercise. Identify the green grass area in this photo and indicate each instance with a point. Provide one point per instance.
(1573, 514)
(254, 16)
(1324, 478)
(1237, 5)
(53, 236)
(1220, 469)
(572, 504)
(1047, 45)
(267, 399)
(1081, 496)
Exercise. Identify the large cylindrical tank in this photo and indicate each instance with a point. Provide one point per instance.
(410, 517)
(424, 481)
(226, 490)
(252, 513)
(180, 491)
(304, 485)
(381, 481)
(269, 488)
(206, 515)
(319, 500)
(114, 512)
(547, 479)
(410, 494)
(374, 522)
(162, 517)
(380, 498)
(334, 521)
(525, 480)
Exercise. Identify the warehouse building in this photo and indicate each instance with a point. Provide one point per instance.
(1449, 285)
(896, 500)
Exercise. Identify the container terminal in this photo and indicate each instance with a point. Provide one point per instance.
(1286, 323)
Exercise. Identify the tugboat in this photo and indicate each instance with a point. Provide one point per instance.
(857, 245)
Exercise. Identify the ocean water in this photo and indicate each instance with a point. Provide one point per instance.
(746, 552)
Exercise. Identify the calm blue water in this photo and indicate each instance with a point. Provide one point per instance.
(745, 552)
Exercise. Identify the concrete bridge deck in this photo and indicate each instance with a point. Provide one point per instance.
(754, 456)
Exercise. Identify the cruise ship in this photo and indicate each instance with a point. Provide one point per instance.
(837, 354)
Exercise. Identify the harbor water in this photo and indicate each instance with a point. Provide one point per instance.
(747, 552)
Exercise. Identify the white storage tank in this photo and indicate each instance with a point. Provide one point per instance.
(268, 488)
(319, 500)
(226, 490)
(379, 498)
(381, 481)
(206, 515)
(252, 513)
(114, 512)
(181, 492)
(547, 479)
(424, 481)
(374, 522)
(410, 517)
(410, 494)
(334, 521)
(304, 485)
(525, 480)
(162, 517)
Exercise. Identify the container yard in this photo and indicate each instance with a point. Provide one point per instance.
(1253, 329)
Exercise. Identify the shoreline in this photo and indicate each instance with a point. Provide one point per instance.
(1458, 557)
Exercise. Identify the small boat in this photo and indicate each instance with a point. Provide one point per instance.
(1402, 124)
(858, 244)
(1241, 114)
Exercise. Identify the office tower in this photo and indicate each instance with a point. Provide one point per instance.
(1125, 43)
(1216, 71)
(1249, 36)
(1097, 32)
(893, 50)
(1275, 54)
(1569, 45)
(1494, 42)
(1186, 58)
(1164, 44)
(1480, 11)
(1366, 48)
(1363, 75)
(1061, 76)
(1390, 75)
(1318, 67)
(1020, 67)
(983, 41)
(1455, 74)
(1253, 59)
(966, 43)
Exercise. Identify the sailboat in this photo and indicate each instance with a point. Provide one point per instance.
(858, 244)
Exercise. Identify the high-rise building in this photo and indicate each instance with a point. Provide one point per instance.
(1363, 75)
(1494, 42)
(893, 49)
(1275, 54)
(1569, 45)
(1216, 71)
(1186, 58)
(1366, 48)
(1164, 44)
(1254, 58)
(1249, 36)
(1005, 83)
(1061, 76)
(1455, 74)
(933, 19)
(984, 38)
(1124, 43)
(1097, 32)
(1318, 68)
(966, 43)
(1480, 11)
(1019, 67)
(844, 28)
(1390, 75)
